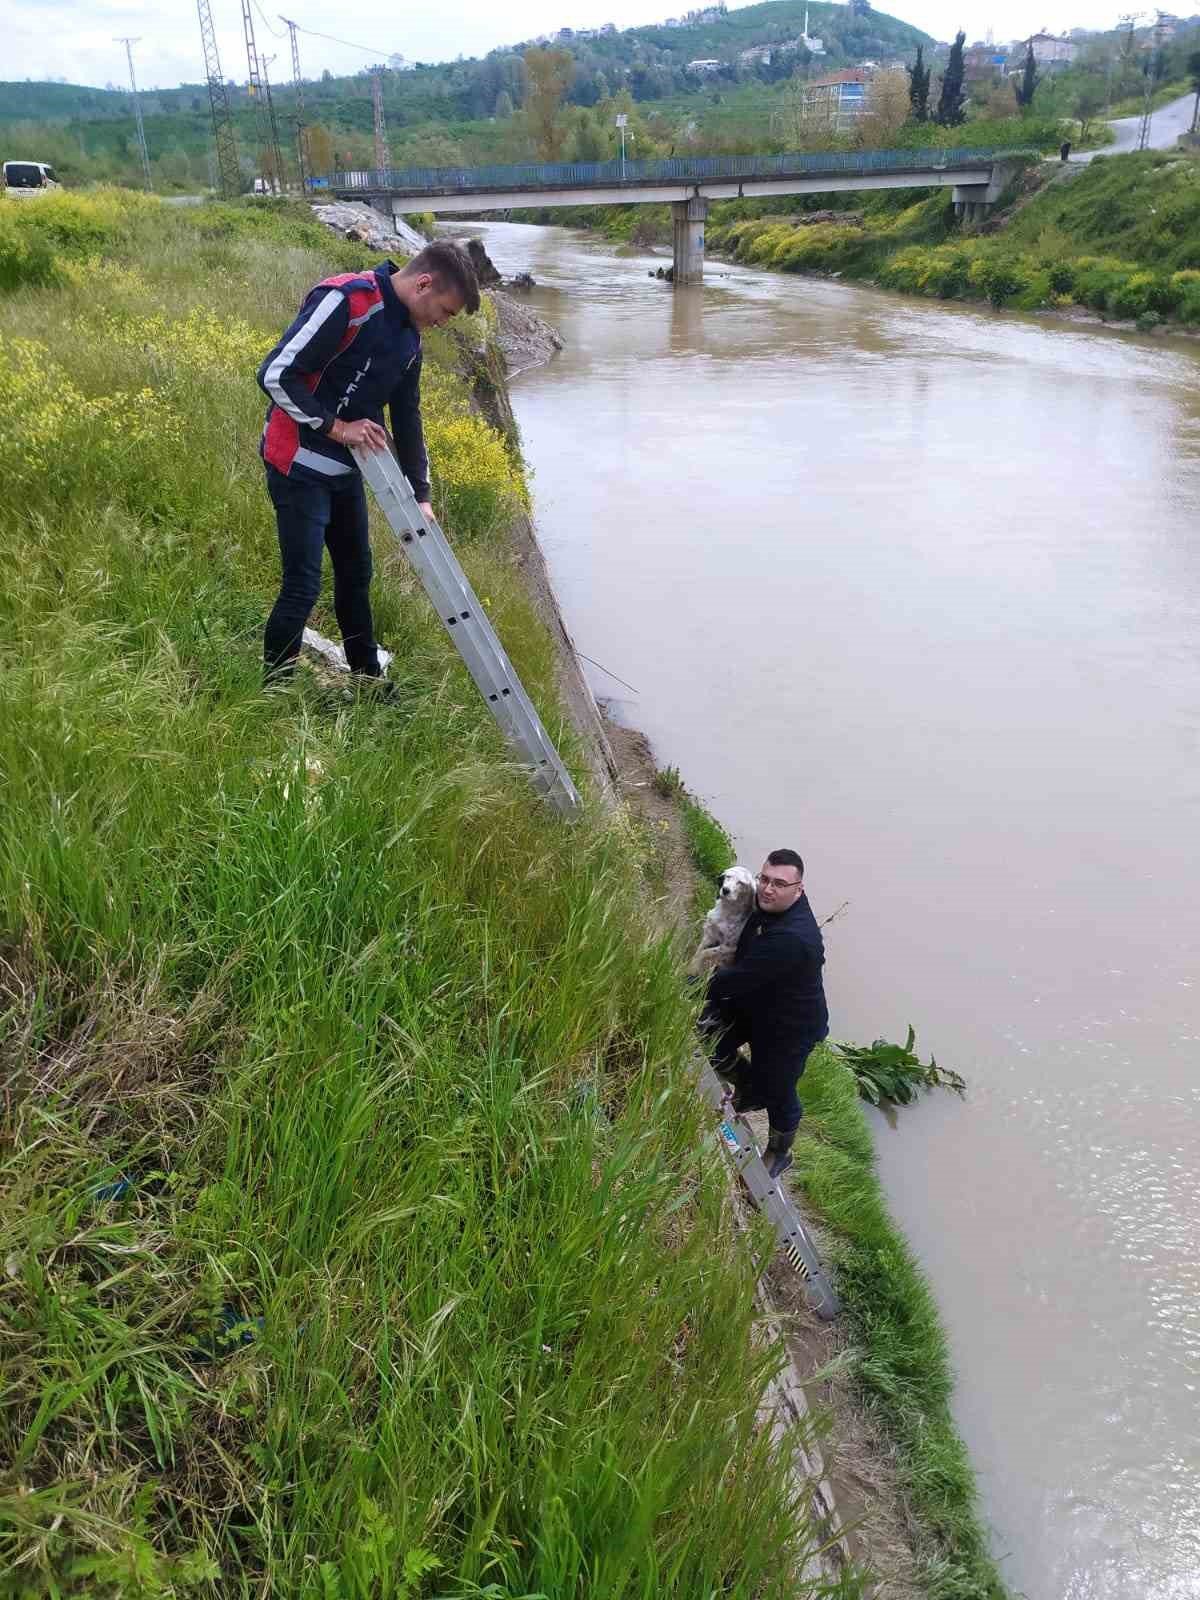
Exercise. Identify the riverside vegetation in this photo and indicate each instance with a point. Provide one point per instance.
(361, 1236)
(1120, 236)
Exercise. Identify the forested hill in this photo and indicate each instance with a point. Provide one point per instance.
(649, 62)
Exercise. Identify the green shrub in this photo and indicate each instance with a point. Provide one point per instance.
(26, 256)
(711, 847)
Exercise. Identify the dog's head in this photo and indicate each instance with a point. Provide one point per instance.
(735, 888)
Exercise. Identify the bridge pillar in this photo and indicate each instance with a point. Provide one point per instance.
(689, 219)
(973, 201)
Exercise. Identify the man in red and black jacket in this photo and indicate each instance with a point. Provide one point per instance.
(354, 348)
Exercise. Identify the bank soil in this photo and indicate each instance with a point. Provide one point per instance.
(850, 1463)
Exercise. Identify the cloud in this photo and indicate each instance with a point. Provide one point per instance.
(75, 38)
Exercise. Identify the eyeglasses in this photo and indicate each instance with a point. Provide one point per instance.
(777, 883)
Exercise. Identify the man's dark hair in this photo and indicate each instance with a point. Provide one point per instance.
(452, 269)
(786, 858)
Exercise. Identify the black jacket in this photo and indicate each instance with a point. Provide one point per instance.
(773, 987)
(352, 349)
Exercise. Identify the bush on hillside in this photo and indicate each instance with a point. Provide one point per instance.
(26, 257)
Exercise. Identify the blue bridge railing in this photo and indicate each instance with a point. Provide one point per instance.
(687, 169)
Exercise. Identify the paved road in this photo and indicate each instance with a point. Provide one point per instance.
(1167, 124)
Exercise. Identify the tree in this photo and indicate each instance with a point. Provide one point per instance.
(504, 106)
(1025, 87)
(860, 8)
(950, 102)
(918, 87)
(1193, 66)
(887, 109)
(318, 149)
(548, 75)
(1089, 97)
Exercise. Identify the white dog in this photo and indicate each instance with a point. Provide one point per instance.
(724, 923)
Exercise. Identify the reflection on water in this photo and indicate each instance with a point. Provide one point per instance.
(917, 589)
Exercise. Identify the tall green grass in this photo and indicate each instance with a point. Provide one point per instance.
(902, 1370)
(360, 1235)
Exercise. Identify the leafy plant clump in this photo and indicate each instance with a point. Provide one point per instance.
(892, 1074)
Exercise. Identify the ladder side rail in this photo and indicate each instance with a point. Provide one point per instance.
(769, 1195)
(429, 540)
(461, 614)
(465, 620)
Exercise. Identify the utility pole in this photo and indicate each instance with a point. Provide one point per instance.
(276, 151)
(381, 149)
(137, 108)
(218, 99)
(1153, 67)
(254, 87)
(298, 85)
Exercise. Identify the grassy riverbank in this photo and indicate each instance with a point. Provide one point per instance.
(354, 1202)
(898, 1369)
(1120, 236)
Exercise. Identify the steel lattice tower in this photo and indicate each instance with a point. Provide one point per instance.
(298, 85)
(381, 149)
(276, 151)
(218, 99)
(254, 86)
(137, 110)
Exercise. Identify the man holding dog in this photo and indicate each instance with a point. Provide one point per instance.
(772, 998)
(354, 348)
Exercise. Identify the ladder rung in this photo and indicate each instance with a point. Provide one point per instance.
(769, 1194)
(466, 621)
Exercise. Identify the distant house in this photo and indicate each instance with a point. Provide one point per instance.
(711, 64)
(837, 100)
(758, 54)
(1050, 51)
(983, 63)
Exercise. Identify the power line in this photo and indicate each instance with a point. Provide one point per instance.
(329, 39)
(266, 24)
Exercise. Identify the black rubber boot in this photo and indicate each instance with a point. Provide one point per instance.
(734, 1073)
(777, 1157)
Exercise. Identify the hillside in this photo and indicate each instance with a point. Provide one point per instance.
(449, 111)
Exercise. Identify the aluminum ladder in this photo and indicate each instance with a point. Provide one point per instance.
(465, 620)
(769, 1194)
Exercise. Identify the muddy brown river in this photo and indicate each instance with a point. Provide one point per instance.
(915, 589)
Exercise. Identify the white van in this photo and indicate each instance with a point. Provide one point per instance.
(24, 179)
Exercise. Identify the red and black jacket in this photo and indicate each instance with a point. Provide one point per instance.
(352, 350)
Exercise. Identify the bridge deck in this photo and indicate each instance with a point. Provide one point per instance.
(678, 175)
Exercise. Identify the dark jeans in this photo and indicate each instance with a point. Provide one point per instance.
(771, 1079)
(310, 518)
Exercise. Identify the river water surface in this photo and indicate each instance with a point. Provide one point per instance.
(915, 589)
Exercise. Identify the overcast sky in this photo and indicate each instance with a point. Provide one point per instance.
(73, 39)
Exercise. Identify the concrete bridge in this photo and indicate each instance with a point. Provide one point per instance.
(687, 183)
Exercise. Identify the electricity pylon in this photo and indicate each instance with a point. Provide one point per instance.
(218, 100)
(137, 109)
(276, 151)
(298, 86)
(381, 149)
(258, 99)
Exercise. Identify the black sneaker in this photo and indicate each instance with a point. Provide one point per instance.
(380, 690)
